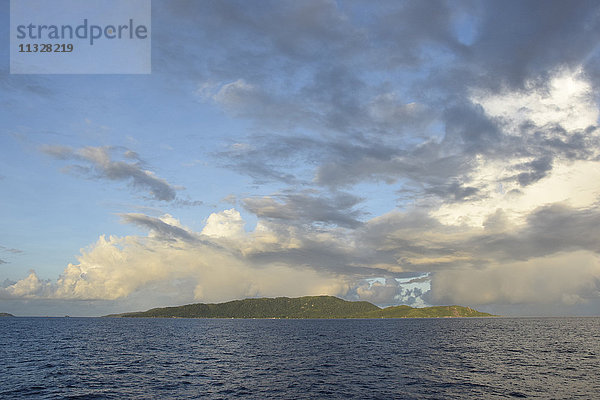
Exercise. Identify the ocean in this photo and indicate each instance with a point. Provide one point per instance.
(480, 358)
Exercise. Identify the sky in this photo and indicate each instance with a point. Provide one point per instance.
(398, 152)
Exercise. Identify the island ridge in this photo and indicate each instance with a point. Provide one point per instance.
(302, 307)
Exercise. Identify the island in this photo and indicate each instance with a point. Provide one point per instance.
(3, 314)
(301, 308)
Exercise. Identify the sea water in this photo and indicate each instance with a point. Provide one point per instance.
(481, 358)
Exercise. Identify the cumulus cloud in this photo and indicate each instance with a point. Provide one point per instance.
(221, 262)
(100, 163)
(226, 224)
(551, 257)
(392, 291)
(29, 287)
(115, 268)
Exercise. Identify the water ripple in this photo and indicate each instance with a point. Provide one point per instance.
(492, 358)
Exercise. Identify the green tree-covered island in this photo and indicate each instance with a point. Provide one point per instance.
(302, 307)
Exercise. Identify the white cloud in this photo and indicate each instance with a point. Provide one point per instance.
(116, 267)
(498, 263)
(520, 183)
(29, 287)
(235, 94)
(393, 291)
(576, 184)
(227, 224)
(567, 100)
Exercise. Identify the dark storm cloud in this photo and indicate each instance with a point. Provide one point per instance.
(298, 30)
(469, 129)
(346, 162)
(405, 28)
(536, 170)
(338, 209)
(99, 162)
(453, 191)
(272, 157)
(549, 230)
(362, 122)
(416, 241)
(268, 36)
(429, 168)
(400, 236)
(333, 256)
(521, 40)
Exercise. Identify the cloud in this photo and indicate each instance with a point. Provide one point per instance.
(261, 161)
(100, 163)
(551, 258)
(569, 183)
(226, 224)
(29, 287)
(481, 118)
(294, 31)
(454, 100)
(409, 29)
(307, 208)
(566, 99)
(564, 278)
(243, 99)
(115, 268)
(221, 262)
(166, 227)
(538, 38)
(392, 291)
(548, 230)
(420, 242)
(10, 250)
(188, 202)
(556, 126)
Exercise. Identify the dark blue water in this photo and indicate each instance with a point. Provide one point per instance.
(97, 358)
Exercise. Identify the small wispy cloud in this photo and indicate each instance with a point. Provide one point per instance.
(114, 164)
(10, 250)
(166, 227)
